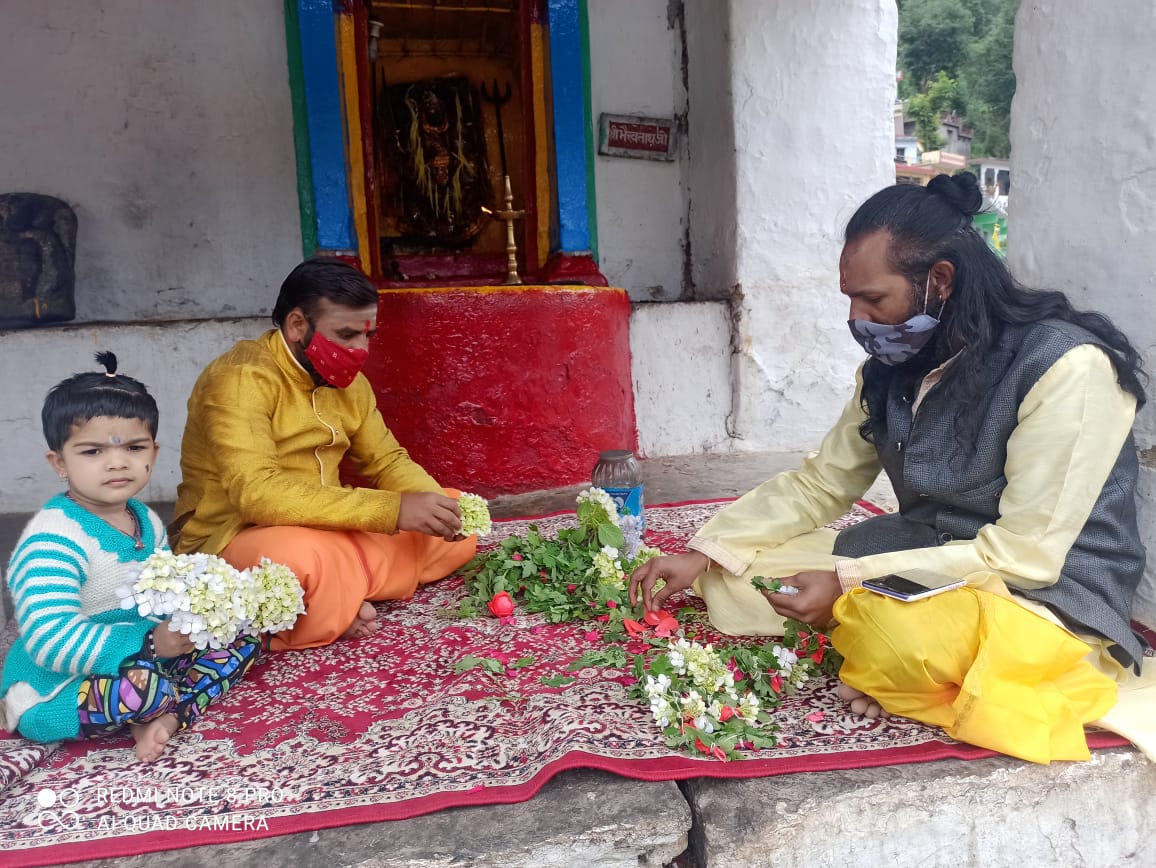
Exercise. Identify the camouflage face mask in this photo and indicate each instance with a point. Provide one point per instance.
(896, 344)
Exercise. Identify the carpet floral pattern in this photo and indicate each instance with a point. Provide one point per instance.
(383, 728)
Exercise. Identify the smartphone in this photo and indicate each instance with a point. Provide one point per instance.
(913, 585)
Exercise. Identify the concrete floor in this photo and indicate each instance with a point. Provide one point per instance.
(991, 812)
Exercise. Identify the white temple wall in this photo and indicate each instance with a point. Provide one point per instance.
(1083, 210)
(812, 90)
(168, 128)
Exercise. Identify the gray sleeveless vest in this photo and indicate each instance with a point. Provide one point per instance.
(945, 494)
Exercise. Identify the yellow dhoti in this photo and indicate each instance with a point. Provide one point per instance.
(986, 670)
(990, 668)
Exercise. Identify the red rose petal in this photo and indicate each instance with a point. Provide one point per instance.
(633, 627)
(814, 716)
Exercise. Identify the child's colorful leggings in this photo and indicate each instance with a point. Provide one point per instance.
(147, 688)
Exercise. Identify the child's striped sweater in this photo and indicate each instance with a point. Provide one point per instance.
(63, 577)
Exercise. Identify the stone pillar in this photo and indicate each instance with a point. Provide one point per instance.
(1082, 208)
(812, 86)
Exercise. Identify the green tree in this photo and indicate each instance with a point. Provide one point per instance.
(957, 56)
(942, 95)
(934, 35)
(988, 84)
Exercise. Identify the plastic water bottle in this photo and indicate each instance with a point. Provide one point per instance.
(619, 474)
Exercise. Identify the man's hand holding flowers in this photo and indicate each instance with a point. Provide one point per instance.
(818, 591)
(430, 513)
(678, 571)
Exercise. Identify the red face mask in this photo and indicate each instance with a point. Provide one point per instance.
(335, 364)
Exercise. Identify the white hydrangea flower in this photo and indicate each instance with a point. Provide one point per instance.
(604, 508)
(475, 515)
(208, 600)
(608, 568)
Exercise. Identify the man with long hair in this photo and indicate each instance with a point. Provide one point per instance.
(1003, 418)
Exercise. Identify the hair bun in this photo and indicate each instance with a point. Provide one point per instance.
(961, 190)
(107, 358)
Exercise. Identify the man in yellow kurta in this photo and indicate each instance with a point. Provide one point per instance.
(1003, 418)
(269, 423)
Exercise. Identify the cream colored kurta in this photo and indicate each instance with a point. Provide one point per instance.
(1071, 426)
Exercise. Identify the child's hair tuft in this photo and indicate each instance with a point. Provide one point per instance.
(107, 358)
(86, 396)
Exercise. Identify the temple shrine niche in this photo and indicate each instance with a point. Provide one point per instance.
(447, 146)
(461, 137)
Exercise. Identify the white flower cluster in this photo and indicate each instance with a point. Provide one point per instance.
(280, 597)
(702, 688)
(644, 554)
(600, 508)
(608, 567)
(475, 515)
(793, 672)
(211, 602)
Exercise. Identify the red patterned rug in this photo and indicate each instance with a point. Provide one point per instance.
(383, 729)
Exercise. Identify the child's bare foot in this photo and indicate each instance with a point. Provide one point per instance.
(860, 702)
(364, 624)
(152, 737)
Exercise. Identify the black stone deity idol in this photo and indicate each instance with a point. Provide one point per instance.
(440, 159)
(37, 256)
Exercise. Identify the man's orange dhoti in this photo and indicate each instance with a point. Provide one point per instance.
(340, 569)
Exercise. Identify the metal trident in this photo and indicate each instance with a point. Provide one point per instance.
(498, 99)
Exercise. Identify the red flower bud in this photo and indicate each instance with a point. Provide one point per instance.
(515, 556)
(501, 605)
(726, 714)
(611, 604)
(702, 747)
(818, 656)
(571, 588)
(777, 683)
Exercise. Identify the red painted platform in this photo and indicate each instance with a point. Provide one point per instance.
(500, 390)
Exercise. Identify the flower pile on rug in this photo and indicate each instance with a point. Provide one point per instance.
(387, 728)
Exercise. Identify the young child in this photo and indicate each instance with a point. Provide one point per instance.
(82, 666)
